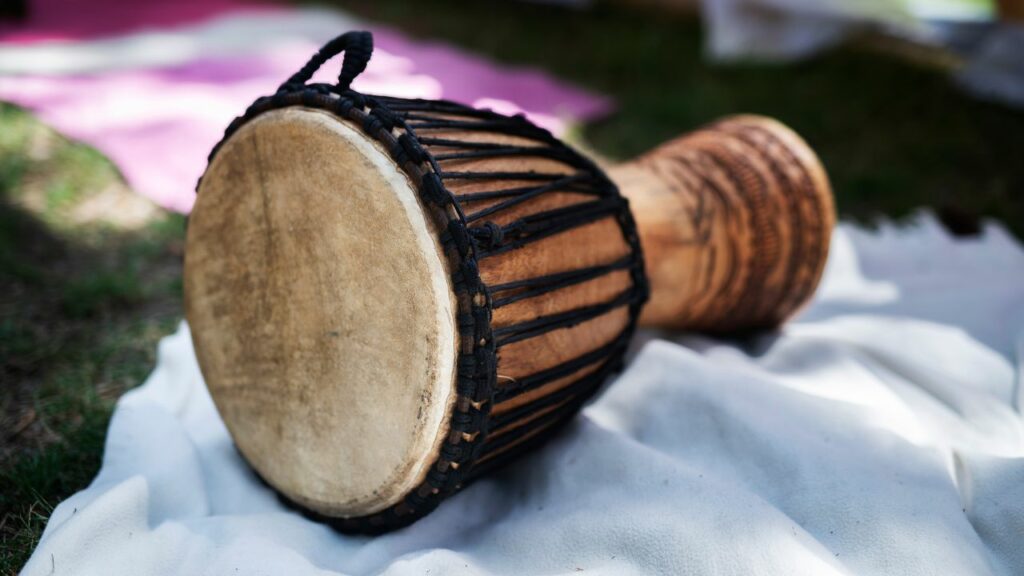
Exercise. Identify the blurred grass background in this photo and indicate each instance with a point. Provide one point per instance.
(91, 278)
(91, 273)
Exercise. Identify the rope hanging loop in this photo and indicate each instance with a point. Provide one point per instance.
(357, 46)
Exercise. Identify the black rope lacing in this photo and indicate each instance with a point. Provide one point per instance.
(415, 133)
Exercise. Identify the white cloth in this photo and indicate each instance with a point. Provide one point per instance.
(787, 29)
(881, 433)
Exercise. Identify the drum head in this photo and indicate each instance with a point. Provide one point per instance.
(322, 313)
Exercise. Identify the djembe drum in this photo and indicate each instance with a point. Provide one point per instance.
(389, 297)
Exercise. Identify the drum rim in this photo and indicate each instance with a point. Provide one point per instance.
(374, 440)
(476, 371)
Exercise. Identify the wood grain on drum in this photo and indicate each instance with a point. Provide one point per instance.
(735, 220)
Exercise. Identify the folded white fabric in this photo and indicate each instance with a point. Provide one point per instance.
(881, 433)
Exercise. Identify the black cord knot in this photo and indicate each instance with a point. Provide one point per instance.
(458, 235)
(412, 148)
(433, 190)
(489, 235)
(358, 99)
(379, 117)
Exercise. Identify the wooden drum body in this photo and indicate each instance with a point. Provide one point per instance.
(389, 298)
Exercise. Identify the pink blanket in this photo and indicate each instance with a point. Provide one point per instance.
(153, 84)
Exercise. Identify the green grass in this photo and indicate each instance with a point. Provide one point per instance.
(74, 402)
(85, 301)
(86, 298)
